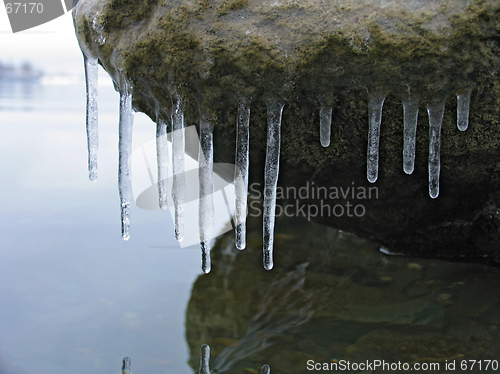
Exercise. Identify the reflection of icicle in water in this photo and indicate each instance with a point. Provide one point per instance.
(265, 369)
(91, 74)
(284, 305)
(125, 150)
(241, 173)
(205, 359)
(179, 178)
(375, 104)
(206, 207)
(463, 105)
(126, 365)
(274, 113)
(325, 124)
(436, 113)
(410, 110)
(162, 160)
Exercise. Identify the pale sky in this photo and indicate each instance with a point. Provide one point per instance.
(51, 47)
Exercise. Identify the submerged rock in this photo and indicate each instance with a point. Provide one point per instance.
(334, 56)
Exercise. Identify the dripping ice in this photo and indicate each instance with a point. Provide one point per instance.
(126, 364)
(274, 115)
(325, 124)
(410, 115)
(91, 76)
(241, 173)
(125, 150)
(206, 203)
(375, 104)
(435, 111)
(205, 359)
(179, 179)
(162, 160)
(463, 105)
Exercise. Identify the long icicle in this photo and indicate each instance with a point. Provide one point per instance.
(375, 105)
(463, 106)
(91, 76)
(274, 115)
(241, 173)
(410, 114)
(206, 205)
(125, 150)
(205, 360)
(436, 113)
(162, 160)
(325, 124)
(179, 178)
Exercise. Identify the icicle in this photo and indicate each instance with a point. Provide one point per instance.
(463, 105)
(126, 365)
(179, 178)
(91, 74)
(410, 110)
(265, 369)
(206, 207)
(274, 114)
(436, 113)
(325, 124)
(162, 160)
(375, 104)
(241, 173)
(125, 150)
(205, 359)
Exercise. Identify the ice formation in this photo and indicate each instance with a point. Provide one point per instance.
(126, 364)
(463, 105)
(241, 173)
(125, 150)
(205, 359)
(206, 203)
(375, 104)
(179, 179)
(325, 124)
(436, 112)
(274, 114)
(265, 369)
(410, 114)
(91, 74)
(162, 161)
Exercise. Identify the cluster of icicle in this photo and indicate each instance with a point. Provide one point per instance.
(204, 363)
(206, 206)
(435, 111)
(274, 115)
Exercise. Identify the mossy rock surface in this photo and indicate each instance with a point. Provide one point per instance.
(215, 53)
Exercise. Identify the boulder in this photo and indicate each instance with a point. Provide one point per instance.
(315, 56)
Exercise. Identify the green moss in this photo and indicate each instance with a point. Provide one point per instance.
(227, 6)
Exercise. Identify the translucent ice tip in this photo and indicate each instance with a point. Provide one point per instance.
(126, 365)
(206, 264)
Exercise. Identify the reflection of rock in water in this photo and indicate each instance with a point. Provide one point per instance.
(332, 295)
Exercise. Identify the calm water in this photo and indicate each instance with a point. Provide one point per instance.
(76, 298)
